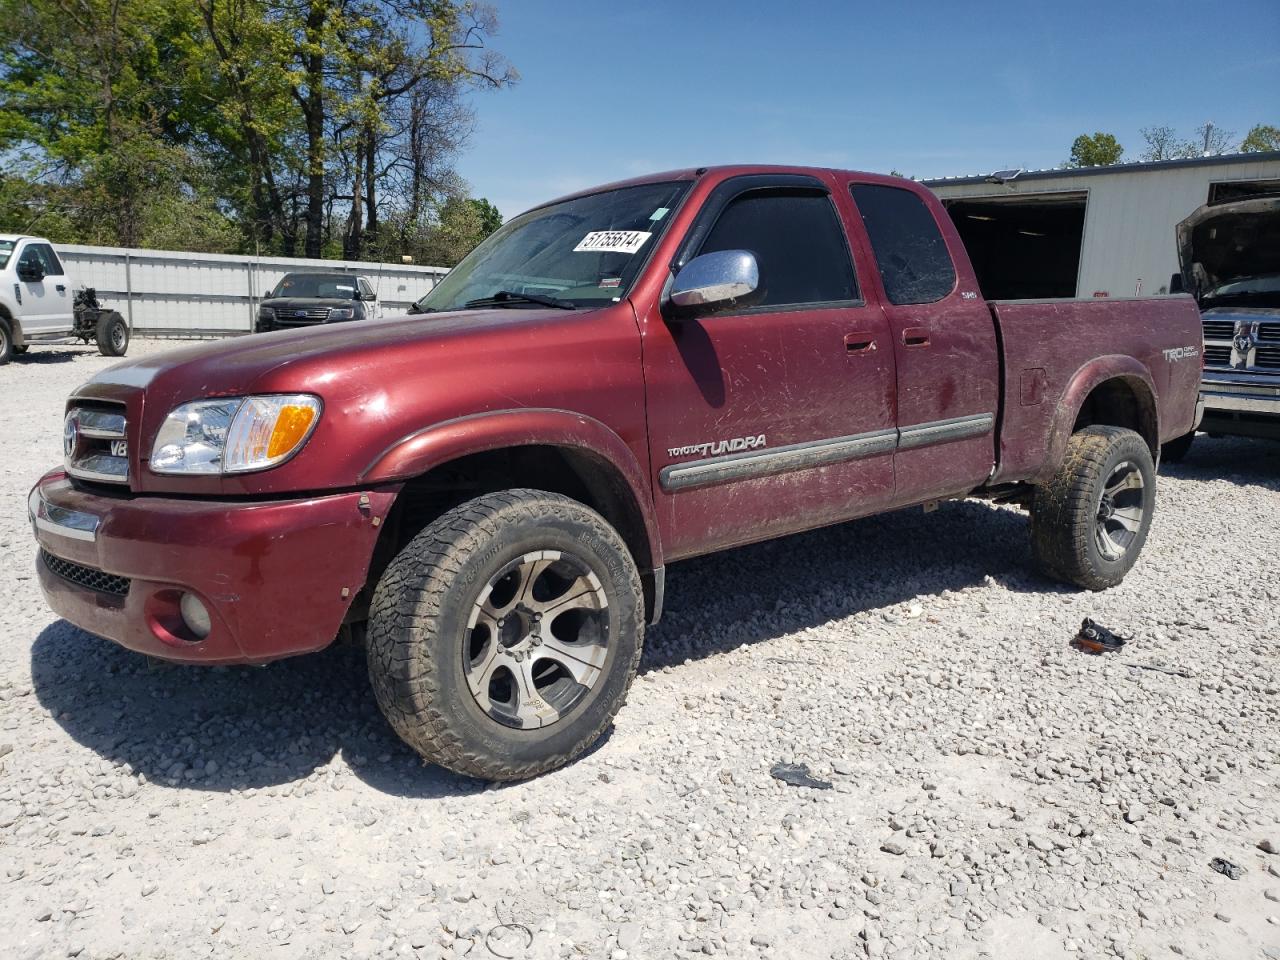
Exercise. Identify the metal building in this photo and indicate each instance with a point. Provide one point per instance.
(1092, 231)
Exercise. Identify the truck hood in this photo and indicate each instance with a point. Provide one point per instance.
(235, 366)
(1228, 243)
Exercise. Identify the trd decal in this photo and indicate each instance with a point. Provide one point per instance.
(1174, 354)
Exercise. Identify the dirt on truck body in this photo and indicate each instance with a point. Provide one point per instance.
(624, 378)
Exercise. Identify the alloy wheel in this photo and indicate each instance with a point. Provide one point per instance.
(1120, 511)
(537, 639)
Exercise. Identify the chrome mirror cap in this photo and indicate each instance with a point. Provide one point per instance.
(715, 278)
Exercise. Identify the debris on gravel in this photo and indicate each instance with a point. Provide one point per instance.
(798, 775)
(993, 792)
(1226, 868)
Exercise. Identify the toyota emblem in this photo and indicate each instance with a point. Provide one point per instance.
(70, 434)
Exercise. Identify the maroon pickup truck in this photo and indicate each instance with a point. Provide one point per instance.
(491, 490)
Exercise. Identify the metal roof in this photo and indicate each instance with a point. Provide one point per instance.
(1144, 166)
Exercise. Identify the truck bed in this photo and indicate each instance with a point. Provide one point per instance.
(1054, 351)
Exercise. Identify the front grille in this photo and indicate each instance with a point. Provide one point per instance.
(310, 315)
(95, 441)
(1219, 329)
(86, 577)
(1217, 356)
(1269, 333)
(1267, 358)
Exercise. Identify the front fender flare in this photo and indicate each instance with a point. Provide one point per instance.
(430, 447)
(1083, 382)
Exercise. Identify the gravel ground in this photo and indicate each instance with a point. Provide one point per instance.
(995, 792)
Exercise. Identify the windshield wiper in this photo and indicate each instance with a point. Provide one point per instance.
(505, 297)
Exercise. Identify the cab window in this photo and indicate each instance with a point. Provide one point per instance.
(915, 266)
(798, 243)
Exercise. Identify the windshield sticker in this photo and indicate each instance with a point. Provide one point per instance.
(611, 282)
(612, 241)
(660, 213)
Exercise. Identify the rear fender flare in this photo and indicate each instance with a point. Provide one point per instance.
(1084, 382)
(433, 446)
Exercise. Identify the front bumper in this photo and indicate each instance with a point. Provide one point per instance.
(1245, 404)
(277, 576)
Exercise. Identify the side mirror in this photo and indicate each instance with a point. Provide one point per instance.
(30, 272)
(1175, 283)
(368, 297)
(414, 308)
(715, 280)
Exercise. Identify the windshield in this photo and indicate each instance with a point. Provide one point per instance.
(1240, 286)
(320, 286)
(6, 251)
(583, 252)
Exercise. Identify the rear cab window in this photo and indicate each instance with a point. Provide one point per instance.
(798, 242)
(911, 254)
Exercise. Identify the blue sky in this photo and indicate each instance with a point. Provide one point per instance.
(611, 90)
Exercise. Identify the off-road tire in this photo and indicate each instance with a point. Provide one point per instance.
(1175, 450)
(112, 335)
(418, 623)
(1064, 511)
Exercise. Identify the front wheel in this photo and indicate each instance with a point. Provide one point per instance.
(503, 637)
(113, 335)
(7, 348)
(1088, 524)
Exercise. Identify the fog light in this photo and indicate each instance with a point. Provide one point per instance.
(195, 616)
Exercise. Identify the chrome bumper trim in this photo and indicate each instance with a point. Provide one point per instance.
(60, 521)
(1242, 403)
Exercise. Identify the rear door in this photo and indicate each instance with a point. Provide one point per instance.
(47, 302)
(777, 417)
(943, 338)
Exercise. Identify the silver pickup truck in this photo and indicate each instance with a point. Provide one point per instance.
(1230, 259)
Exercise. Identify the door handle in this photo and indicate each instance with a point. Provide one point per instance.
(857, 344)
(62, 288)
(915, 337)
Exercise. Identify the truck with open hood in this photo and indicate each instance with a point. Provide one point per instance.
(1230, 259)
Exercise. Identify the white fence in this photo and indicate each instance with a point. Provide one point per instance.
(167, 293)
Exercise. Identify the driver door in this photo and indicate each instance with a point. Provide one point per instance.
(777, 417)
(47, 301)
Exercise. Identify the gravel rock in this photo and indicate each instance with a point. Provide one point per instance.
(270, 811)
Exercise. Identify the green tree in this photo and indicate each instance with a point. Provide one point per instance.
(275, 125)
(1098, 150)
(1260, 139)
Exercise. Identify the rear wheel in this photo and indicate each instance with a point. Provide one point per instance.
(503, 637)
(1088, 524)
(113, 335)
(6, 343)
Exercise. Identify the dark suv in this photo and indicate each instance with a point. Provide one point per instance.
(306, 299)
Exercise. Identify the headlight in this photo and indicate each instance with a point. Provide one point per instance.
(234, 435)
(341, 313)
(266, 313)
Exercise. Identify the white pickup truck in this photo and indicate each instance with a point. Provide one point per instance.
(38, 303)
